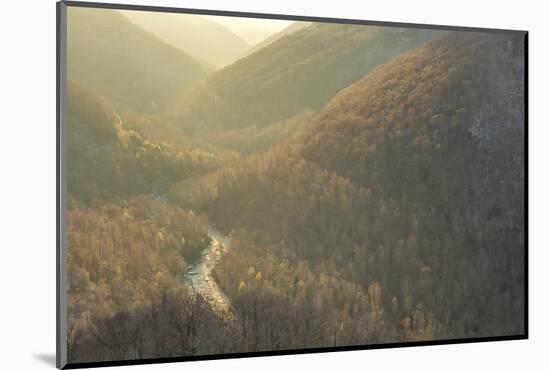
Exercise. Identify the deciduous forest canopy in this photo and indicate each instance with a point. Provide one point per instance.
(333, 185)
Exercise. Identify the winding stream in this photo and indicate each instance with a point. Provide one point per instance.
(200, 274)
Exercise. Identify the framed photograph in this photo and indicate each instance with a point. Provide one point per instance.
(236, 184)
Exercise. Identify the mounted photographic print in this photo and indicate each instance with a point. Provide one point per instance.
(235, 184)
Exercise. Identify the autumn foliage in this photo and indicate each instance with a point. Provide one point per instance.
(371, 181)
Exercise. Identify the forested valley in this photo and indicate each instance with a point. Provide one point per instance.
(368, 183)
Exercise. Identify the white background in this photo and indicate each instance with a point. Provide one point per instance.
(27, 205)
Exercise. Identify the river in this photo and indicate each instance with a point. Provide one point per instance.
(200, 274)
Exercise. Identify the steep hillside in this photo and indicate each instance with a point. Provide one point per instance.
(126, 64)
(193, 34)
(460, 96)
(296, 73)
(411, 178)
(438, 134)
(106, 160)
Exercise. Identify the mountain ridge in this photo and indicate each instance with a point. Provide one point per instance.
(293, 27)
(125, 63)
(299, 72)
(217, 45)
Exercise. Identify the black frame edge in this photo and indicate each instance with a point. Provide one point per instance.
(292, 352)
(61, 302)
(57, 191)
(526, 175)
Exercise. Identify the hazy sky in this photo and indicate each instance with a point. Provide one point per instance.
(252, 30)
